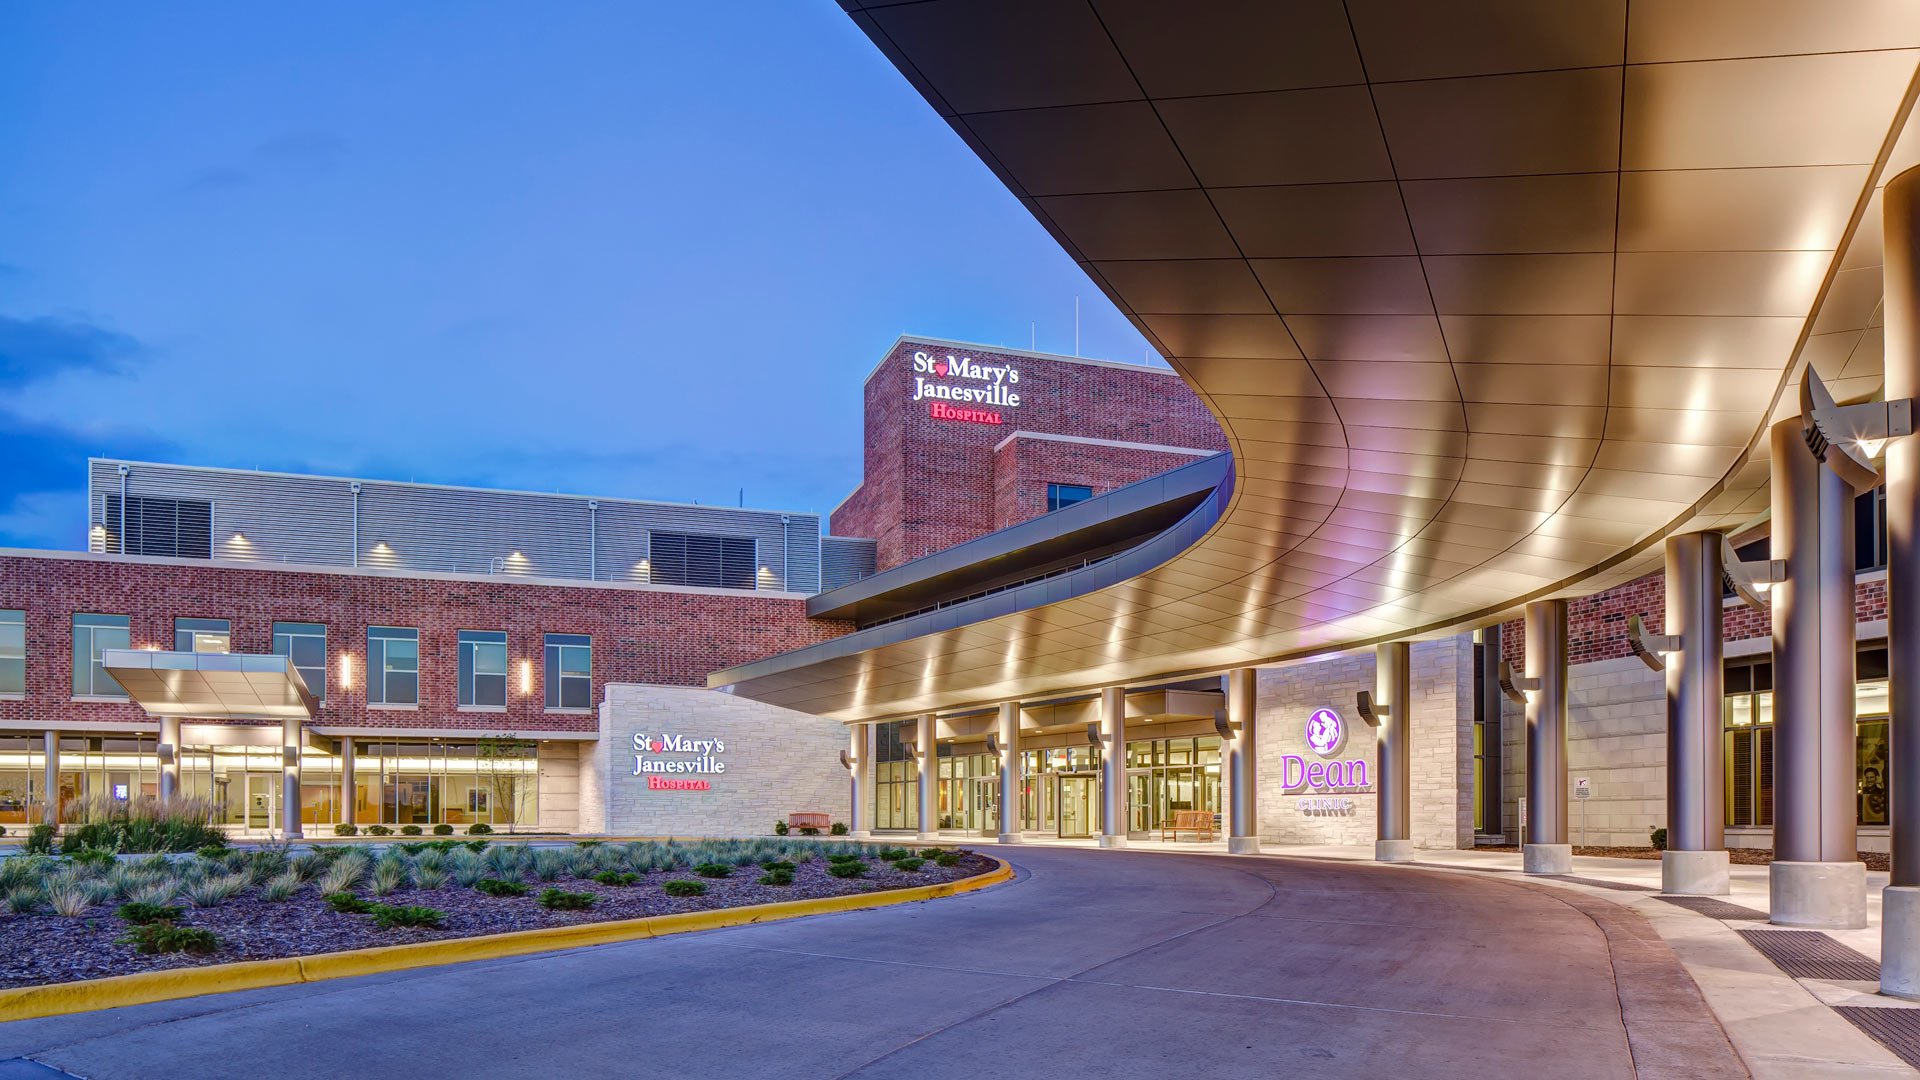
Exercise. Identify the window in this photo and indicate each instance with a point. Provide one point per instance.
(1870, 530)
(1063, 495)
(93, 634)
(483, 669)
(569, 671)
(13, 652)
(175, 528)
(393, 666)
(202, 635)
(1748, 721)
(718, 562)
(304, 643)
(896, 800)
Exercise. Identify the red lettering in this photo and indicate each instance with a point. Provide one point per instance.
(662, 783)
(940, 410)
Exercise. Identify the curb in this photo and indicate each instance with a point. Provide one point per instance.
(30, 1002)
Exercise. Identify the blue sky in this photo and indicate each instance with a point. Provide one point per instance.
(643, 250)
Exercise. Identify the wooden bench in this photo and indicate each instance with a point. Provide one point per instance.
(809, 820)
(1197, 822)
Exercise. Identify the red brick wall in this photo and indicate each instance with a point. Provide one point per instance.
(929, 483)
(1597, 624)
(641, 636)
(1024, 467)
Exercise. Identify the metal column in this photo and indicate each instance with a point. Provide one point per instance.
(1816, 879)
(1113, 767)
(1487, 705)
(858, 737)
(929, 768)
(169, 754)
(1008, 736)
(348, 796)
(290, 779)
(50, 792)
(1900, 902)
(1695, 862)
(1393, 746)
(1243, 779)
(1547, 850)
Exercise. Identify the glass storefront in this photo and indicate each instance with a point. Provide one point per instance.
(968, 797)
(1165, 775)
(1747, 720)
(90, 767)
(895, 774)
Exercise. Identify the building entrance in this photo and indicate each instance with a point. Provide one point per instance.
(1079, 804)
(262, 801)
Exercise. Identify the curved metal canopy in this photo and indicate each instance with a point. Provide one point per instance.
(1487, 297)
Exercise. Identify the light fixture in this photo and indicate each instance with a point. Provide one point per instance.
(526, 676)
(346, 671)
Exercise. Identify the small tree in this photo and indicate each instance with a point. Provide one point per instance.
(503, 785)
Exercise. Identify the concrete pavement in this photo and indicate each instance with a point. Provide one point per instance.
(1092, 964)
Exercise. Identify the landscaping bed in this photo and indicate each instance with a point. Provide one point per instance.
(280, 904)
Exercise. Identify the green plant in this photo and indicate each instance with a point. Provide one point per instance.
(348, 904)
(40, 839)
(390, 873)
(379, 830)
(616, 877)
(143, 824)
(476, 845)
(387, 916)
(479, 828)
(443, 829)
(156, 893)
(847, 869)
(139, 914)
(777, 864)
(561, 900)
(844, 857)
(497, 887)
(165, 937)
(214, 852)
(94, 856)
(25, 899)
(1658, 838)
(586, 843)
(213, 891)
(777, 877)
(809, 830)
(910, 865)
(892, 853)
(781, 828)
(946, 858)
(280, 888)
(932, 852)
(428, 877)
(683, 887)
(410, 830)
(346, 829)
(345, 872)
(70, 898)
(839, 828)
(713, 869)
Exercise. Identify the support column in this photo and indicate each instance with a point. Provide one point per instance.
(169, 754)
(1547, 850)
(1243, 813)
(1695, 862)
(50, 813)
(290, 779)
(1008, 736)
(858, 756)
(1113, 767)
(928, 756)
(1900, 902)
(349, 809)
(1816, 879)
(1393, 747)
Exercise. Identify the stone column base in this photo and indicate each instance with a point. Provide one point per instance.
(1243, 845)
(1900, 941)
(1007, 838)
(1819, 895)
(859, 834)
(1694, 873)
(1113, 841)
(1393, 851)
(926, 837)
(1547, 858)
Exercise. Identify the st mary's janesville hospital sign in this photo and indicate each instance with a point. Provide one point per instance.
(699, 760)
(962, 388)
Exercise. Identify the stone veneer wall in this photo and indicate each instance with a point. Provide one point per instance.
(558, 773)
(1442, 763)
(778, 762)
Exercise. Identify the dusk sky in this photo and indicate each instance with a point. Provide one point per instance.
(639, 250)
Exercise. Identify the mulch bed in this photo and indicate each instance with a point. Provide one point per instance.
(1875, 860)
(46, 948)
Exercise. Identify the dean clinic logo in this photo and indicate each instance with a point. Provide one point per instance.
(1326, 733)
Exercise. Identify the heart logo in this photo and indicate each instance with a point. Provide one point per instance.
(658, 746)
(940, 368)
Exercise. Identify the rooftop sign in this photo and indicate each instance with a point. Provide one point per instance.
(966, 382)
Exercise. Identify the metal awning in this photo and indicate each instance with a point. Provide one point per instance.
(212, 686)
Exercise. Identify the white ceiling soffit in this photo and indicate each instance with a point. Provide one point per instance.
(1487, 297)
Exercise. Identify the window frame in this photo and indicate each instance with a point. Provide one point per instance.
(469, 645)
(10, 617)
(94, 649)
(555, 676)
(378, 670)
(1055, 490)
(291, 630)
(194, 632)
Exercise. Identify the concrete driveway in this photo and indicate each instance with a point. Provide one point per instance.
(1092, 964)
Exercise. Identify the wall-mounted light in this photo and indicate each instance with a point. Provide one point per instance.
(526, 676)
(346, 671)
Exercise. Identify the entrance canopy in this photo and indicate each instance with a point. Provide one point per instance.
(212, 686)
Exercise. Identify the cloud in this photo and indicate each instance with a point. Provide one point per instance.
(43, 488)
(41, 348)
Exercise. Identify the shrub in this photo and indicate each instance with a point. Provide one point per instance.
(213, 891)
(443, 829)
(561, 900)
(94, 856)
(550, 863)
(479, 828)
(777, 864)
(685, 888)
(379, 830)
(910, 865)
(410, 830)
(428, 877)
(1658, 838)
(345, 872)
(709, 869)
(932, 852)
(843, 857)
(280, 888)
(497, 887)
(892, 853)
(165, 937)
(138, 913)
(777, 877)
(389, 874)
(40, 839)
(348, 904)
(781, 828)
(586, 843)
(808, 830)
(144, 824)
(946, 858)
(476, 845)
(345, 829)
(839, 828)
(388, 916)
(466, 867)
(70, 898)
(25, 899)
(616, 877)
(847, 869)
(156, 894)
(3, 830)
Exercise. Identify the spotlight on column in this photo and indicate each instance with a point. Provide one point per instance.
(1652, 649)
(1512, 685)
(1371, 713)
(993, 744)
(1224, 726)
(1749, 581)
(846, 762)
(1094, 738)
(1839, 435)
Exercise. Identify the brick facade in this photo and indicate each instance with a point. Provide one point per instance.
(1024, 465)
(931, 483)
(640, 634)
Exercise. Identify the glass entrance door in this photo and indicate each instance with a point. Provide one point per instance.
(261, 798)
(1079, 805)
(983, 804)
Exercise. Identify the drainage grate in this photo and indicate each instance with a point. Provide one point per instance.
(1896, 1029)
(1810, 954)
(1601, 883)
(1716, 909)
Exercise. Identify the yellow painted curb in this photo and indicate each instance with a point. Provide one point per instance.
(28, 1002)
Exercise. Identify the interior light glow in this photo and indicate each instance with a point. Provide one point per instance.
(346, 671)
